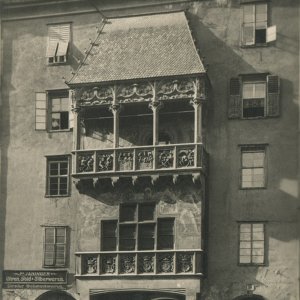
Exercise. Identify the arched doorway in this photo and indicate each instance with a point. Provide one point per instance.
(55, 295)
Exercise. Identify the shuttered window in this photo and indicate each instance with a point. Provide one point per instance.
(253, 171)
(137, 229)
(251, 243)
(55, 245)
(254, 96)
(58, 43)
(40, 111)
(255, 30)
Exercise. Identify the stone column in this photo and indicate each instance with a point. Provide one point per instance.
(155, 106)
(115, 109)
(197, 104)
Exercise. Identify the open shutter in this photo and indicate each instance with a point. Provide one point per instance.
(235, 102)
(271, 34)
(49, 247)
(273, 105)
(60, 247)
(71, 113)
(40, 111)
(248, 26)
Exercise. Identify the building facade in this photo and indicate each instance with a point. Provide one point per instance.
(149, 150)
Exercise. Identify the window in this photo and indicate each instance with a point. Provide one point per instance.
(58, 43)
(55, 246)
(254, 99)
(254, 96)
(137, 229)
(53, 111)
(255, 30)
(252, 243)
(58, 176)
(253, 167)
(59, 111)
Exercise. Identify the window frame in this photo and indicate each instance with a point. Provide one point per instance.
(138, 224)
(58, 159)
(65, 244)
(254, 5)
(263, 223)
(253, 82)
(57, 94)
(56, 61)
(258, 149)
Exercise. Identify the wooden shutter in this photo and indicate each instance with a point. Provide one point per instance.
(235, 101)
(58, 40)
(273, 93)
(271, 34)
(49, 247)
(71, 113)
(40, 111)
(248, 26)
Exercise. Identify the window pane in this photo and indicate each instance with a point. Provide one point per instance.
(56, 104)
(49, 255)
(245, 245)
(245, 259)
(260, 90)
(146, 211)
(127, 244)
(127, 231)
(60, 235)
(55, 121)
(146, 236)
(109, 244)
(248, 90)
(165, 234)
(64, 120)
(53, 188)
(258, 259)
(60, 255)
(165, 242)
(245, 236)
(109, 228)
(245, 228)
(49, 236)
(63, 168)
(64, 104)
(128, 212)
(245, 252)
(53, 168)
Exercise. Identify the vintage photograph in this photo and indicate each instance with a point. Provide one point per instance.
(149, 150)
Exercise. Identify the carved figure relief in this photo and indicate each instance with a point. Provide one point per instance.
(165, 263)
(125, 160)
(91, 265)
(146, 263)
(145, 159)
(85, 162)
(165, 158)
(186, 158)
(105, 161)
(108, 263)
(127, 263)
(184, 262)
(137, 92)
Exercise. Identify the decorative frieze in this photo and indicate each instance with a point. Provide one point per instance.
(91, 265)
(97, 95)
(125, 160)
(105, 161)
(137, 92)
(145, 159)
(186, 157)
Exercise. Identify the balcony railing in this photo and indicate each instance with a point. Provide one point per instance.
(142, 159)
(141, 263)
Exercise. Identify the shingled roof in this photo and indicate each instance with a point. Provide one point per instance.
(136, 47)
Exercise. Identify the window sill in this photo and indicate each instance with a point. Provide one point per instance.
(263, 45)
(61, 130)
(253, 188)
(54, 267)
(57, 196)
(252, 265)
(57, 64)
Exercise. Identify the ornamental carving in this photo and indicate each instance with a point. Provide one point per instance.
(96, 96)
(105, 161)
(176, 89)
(184, 262)
(186, 158)
(165, 158)
(85, 162)
(137, 92)
(145, 159)
(125, 161)
(146, 263)
(165, 263)
(127, 264)
(108, 264)
(91, 265)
